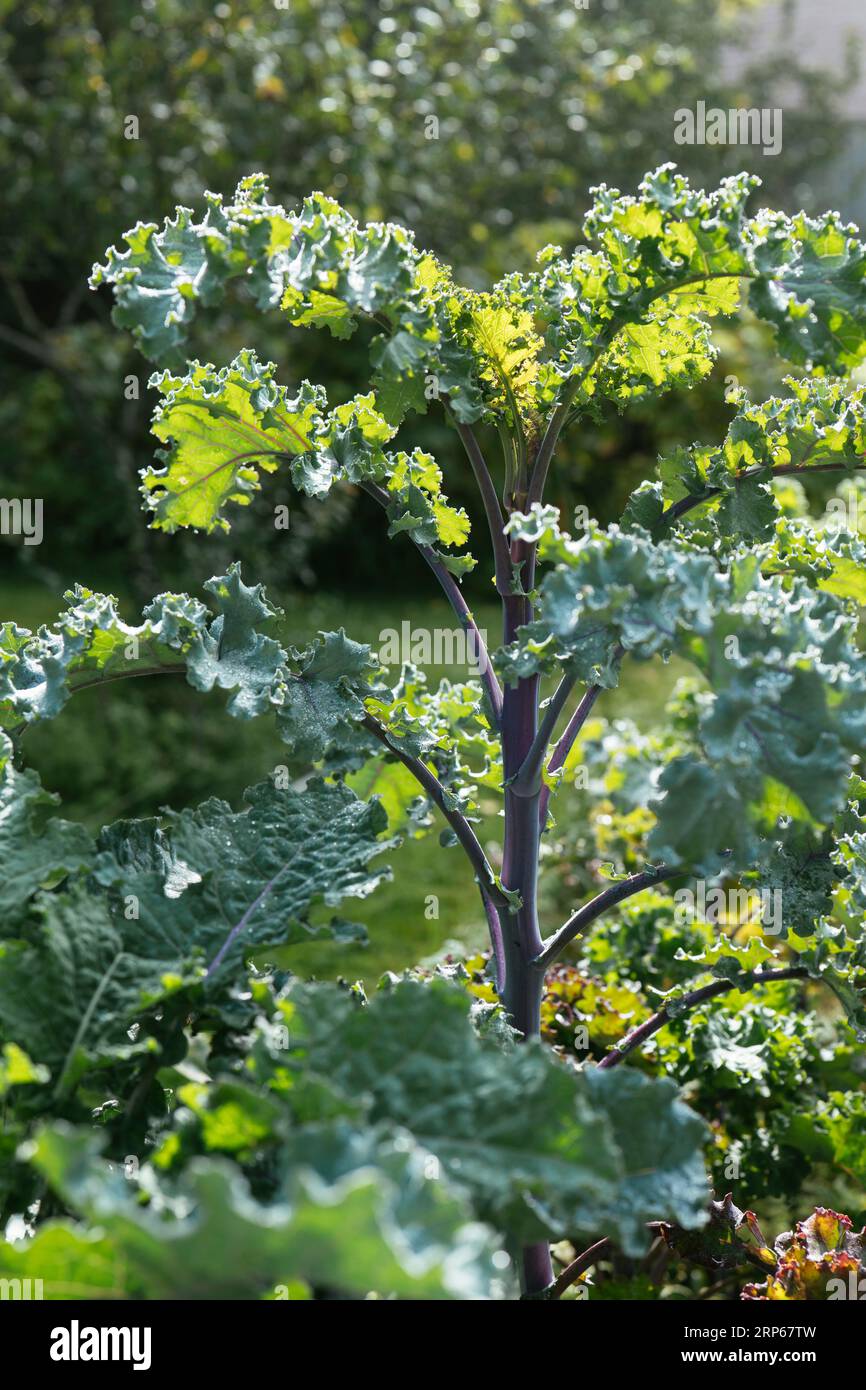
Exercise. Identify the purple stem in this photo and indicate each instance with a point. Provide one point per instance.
(495, 927)
(569, 734)
(458, 822)
(577, 924)
(577, 1267)
(686, 504)
(528, 779)
(492, 509)
(697, 996)
(524, 982)
(454, 595)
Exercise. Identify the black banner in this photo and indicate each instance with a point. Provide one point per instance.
(66, 1339)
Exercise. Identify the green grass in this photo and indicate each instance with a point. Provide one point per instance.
(129, 748)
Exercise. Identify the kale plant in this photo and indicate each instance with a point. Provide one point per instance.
(231, 1129)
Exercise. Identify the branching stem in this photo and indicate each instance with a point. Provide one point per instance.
(569, 734)
(458, 822)
(492, 509)
(528, 780)
(689, 1001)
(564, 744)
(454, 595)
(572, 1272)
(586, 915)
(686, 504)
